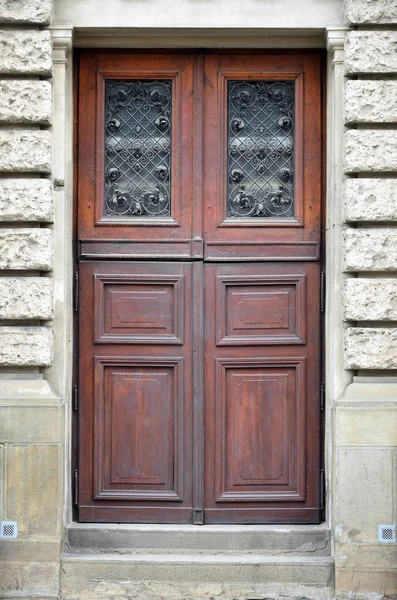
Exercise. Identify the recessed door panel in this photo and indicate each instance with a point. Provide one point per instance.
(139, 428)
(140, 310)
(261, 309)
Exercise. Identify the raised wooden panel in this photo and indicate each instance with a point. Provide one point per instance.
(135, 392)
(262, 406)
(139, 309)
(259, 427)
(139, 428)
(261, 309)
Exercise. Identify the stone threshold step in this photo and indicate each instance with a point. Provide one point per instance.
(311, 540)
(242, 568)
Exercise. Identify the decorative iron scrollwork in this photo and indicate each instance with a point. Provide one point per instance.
(138, 148)
(260, 148)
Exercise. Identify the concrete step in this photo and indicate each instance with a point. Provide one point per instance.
(195, 576)
(270, 540)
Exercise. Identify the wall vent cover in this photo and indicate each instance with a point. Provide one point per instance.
(387, 534)
(8, 530)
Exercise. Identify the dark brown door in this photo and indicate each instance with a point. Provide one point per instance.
(198, 227)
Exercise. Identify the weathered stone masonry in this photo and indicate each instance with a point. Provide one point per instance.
(31, 417)
(365, 444)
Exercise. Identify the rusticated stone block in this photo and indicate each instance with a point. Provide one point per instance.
(26, 297)
(371, 52)
(371, 101)
(24, 51)
(38, 580)
(370, 150)
(357, 512)
(26, 200)
(370, 250)
(360, 12)
(25, 102)
(370, 348)
(33, 478)
(32, 424)
(374, 582)
(21, 11)
(25, 151)
(26, 346)
(26, 249)
(370, 299)
(370, 200)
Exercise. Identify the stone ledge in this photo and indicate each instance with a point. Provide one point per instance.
(25, 51)
(25, 102)
(370, 394)
(370, 12)
(370, 299)
(26, 298)
(26, 346)
(21, 11)
(370, 250)
(26, 200)
(371, 150)
(33, 390)
(370, 348)
(22, 249)
(370, 200)
(370, 52)
(370, 102)
(25, 151)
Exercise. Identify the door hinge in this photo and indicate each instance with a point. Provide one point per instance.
(322, 396)
(322, 291)
(322, 489)
(75, 397)
(76, 291)
(76, 487)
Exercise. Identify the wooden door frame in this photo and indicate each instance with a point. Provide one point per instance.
(198, 408)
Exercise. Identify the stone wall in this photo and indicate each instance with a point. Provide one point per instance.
(366, 415)
(31, 412)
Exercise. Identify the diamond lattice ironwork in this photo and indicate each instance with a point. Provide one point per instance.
(138, 148)
(260, 148)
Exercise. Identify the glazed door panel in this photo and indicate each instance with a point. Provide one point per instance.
(135, 156)
(262, 162)
(198, 231)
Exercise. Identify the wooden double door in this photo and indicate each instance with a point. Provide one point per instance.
(198, 234)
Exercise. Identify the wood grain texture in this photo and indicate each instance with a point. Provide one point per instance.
(199, 356)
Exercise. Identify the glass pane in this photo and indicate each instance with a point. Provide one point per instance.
(260, 149)
(138, 148)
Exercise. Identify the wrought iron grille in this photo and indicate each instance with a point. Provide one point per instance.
(260, 148)
(138, 148)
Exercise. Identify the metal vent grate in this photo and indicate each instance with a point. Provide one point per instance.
(8, 529)
(387, 534)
